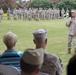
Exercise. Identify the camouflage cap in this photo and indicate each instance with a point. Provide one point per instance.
(33, 56)
(40, 33)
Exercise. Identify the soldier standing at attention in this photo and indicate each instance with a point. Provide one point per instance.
(62, 13)
(15, 14)
(8, 13)
(0, 16)
(20, 13)
(71, 24)
(58, 13)
(1, 13)
(67, 13)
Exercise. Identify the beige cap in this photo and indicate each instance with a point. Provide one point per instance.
(40, 33)
(33, 56)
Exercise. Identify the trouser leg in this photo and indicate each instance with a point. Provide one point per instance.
(0, 19)
(74, 43)
(8, 18)
(70, 37)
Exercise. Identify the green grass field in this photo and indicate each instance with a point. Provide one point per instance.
(57, 36)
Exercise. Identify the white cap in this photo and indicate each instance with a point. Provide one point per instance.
(40, 33)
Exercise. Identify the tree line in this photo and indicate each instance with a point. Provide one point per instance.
(70, 4)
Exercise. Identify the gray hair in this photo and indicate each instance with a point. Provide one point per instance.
(10, 39)
(40, 40)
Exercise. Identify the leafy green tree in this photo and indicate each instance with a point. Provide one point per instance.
(5, 4)
(40, 3)
(70, 4)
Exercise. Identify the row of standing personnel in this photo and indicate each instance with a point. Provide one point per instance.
(37, 14)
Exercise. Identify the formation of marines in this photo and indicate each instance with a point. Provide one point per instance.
(36, 14)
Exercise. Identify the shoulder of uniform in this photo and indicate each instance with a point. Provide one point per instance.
(55, 56)
(51, 56)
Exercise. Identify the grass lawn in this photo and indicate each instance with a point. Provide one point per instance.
(57, 36)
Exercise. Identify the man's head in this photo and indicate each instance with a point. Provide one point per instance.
(31, 61)
(73, 13)
(10, 39)
(40, 38)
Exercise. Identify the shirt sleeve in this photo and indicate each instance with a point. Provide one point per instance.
(68, 22)
(58, 66)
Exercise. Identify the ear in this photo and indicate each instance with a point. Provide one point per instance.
(14, 43)
(46, 41)
(34, 41)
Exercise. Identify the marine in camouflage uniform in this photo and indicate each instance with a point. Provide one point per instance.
(8, 13)
(67, 13)
(15, 14)
(58, 13)
(40, 13)
(52, 63)
(20, 13)
(48, 14)
(71, 24)
(26, 11)
(0, 16)
(44, 14)
(37, 15)
(52, 11)
(1, 12)
(30, 14)
(62, 13)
